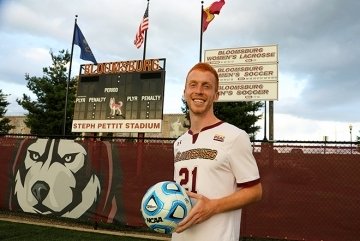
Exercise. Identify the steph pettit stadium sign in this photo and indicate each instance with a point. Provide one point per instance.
(249, 73)
(124, 96)
(117, 126)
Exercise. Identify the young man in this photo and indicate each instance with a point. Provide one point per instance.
(214, 162)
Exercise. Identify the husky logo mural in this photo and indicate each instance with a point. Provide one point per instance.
(57, 177)
(115, 107)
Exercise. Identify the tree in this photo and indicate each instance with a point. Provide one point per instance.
(185, 110)
(240, 114)
(46, 114)
(5, 126)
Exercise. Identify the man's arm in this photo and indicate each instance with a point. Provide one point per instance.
(206, 208)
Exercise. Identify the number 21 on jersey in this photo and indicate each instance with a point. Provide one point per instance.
(188, 178)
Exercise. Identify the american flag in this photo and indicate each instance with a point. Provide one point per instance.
(144, 25)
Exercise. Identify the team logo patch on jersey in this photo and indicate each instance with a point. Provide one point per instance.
(218, 137)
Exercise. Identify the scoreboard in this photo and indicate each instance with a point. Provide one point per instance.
(125, 96)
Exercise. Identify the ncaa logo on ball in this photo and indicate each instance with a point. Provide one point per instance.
(154, 220)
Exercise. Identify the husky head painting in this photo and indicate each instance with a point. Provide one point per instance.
(53, 177)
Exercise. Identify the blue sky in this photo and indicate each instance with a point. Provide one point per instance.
(317, 42)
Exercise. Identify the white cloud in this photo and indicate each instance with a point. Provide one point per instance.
(318, 49)
(39, 55)
(289, 127)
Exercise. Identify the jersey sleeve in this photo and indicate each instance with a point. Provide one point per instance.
(242, 160)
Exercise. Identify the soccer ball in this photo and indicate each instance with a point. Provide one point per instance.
(164, 205)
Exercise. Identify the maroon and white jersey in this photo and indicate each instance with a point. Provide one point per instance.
(214, 163)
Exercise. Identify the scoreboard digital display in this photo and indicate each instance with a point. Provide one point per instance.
(125, 96)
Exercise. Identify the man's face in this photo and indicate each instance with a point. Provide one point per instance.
(200, 91)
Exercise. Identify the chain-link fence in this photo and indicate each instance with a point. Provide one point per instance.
(311, 192)
(310, 189)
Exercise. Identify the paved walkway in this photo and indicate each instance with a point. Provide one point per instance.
(84, 229)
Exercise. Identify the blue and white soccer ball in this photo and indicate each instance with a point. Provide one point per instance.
(164, 205)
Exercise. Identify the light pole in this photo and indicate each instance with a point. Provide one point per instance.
(350, 129)
(265, 138)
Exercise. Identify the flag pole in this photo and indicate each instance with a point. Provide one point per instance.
(145, 37)
(201, 30)
(142, 134)
(68, 79)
